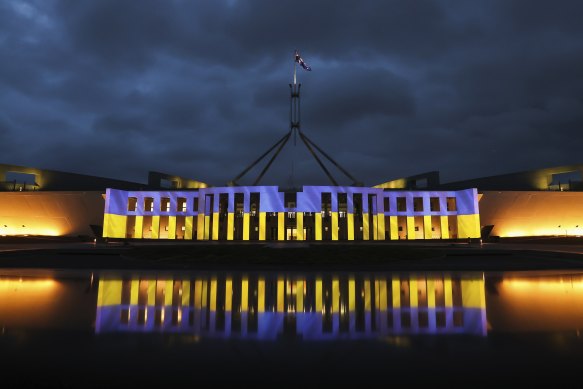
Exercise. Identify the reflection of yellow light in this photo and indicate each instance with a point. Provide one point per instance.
(190, 339)
(26, 300)
(18, 283)
(399, 341)
(555, 284)
(553, 300)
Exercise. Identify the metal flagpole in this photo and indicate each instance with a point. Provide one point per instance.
(295, 64)
(292, 126)
(234, 181)
(303, 138)
(272, 159)
(329, 158)
(295, 128)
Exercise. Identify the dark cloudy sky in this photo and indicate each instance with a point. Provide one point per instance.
(200, 88)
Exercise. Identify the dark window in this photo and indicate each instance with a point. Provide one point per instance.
(132, 201)
(357, 201)
(434, 204)
(195, 204)
(451, 204)
(254, 206)
(239, 199)
(290, 199)
(165, 204)
(342, 204)
(401, 204)
(387, 204)
(223, 204)
(181, 204)
(148, 204)
(326, 204)
(417, 204)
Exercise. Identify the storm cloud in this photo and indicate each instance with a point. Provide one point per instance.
(200, 88)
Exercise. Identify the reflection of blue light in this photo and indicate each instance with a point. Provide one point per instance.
(308, 325)
(307, 306)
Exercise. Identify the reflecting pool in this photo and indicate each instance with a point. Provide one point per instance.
(109, 329)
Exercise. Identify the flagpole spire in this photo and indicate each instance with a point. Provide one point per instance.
(295, 64)
(295, 130)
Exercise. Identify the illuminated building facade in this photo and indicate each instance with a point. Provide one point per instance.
(533, 213)
(268, 306)
(315, 213)
(546, 202)
(543, 202)
(39, 202)
(59, 213)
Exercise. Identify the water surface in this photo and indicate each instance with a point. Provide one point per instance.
(121, 328)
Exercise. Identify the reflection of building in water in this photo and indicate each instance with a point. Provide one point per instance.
(267, 307)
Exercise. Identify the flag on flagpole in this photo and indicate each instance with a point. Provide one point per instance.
(300, 60)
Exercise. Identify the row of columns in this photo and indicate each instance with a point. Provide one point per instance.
(204, 232)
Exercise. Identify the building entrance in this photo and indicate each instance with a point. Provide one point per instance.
(291, 233)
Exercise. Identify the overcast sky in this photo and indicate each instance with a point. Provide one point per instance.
(200, 88)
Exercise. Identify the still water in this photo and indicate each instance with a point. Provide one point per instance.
(117, 329)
